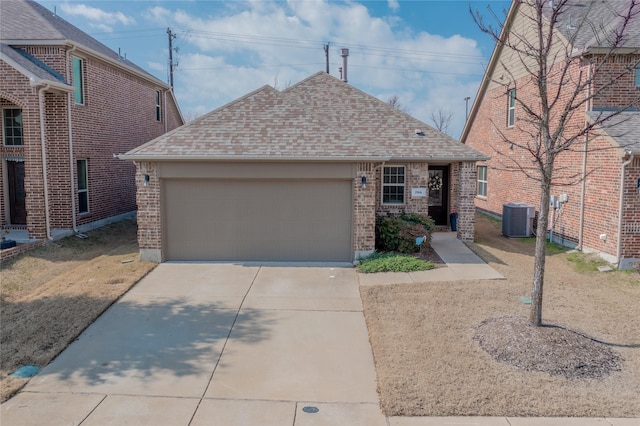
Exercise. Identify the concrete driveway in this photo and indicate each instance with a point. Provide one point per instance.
(208, 344)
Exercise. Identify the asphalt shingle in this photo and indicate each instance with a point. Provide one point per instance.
(319, 118)
(623, 128)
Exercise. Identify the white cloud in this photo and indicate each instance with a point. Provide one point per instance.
(98, 18)
(393, 5)
(231, 53)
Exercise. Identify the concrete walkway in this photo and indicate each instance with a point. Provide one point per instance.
(222, 344)
(462, 264)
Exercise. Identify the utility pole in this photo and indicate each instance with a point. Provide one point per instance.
(326, 55)
(171, 64)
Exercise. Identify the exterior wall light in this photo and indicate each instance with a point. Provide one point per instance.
(364, 181)
(146, 180)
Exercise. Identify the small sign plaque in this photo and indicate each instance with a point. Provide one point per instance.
(418, 192)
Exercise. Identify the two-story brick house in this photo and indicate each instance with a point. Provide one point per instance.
(68, 105)
(600, 173)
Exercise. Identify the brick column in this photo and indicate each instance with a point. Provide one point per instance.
(149, 221)
(466, 200)
(364, 210)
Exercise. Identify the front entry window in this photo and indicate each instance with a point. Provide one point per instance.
(435, 187)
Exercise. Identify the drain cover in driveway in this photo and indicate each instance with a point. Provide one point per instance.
(311, 410)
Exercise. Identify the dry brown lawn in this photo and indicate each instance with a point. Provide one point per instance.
(430, 363)
(51, 294)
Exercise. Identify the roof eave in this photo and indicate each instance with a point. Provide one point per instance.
(442, 158)
(249, 158)
(350, 159)
(77, 46)
(34, 80)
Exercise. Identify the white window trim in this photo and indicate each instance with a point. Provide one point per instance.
(83, 85)
(404, 186)
(86, 191)
(485, 181)
(4, 131)
(511, 108)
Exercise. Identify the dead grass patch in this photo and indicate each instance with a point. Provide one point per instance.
(429, 363)
(48, 296)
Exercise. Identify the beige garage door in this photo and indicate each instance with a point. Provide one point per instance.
(265, 220)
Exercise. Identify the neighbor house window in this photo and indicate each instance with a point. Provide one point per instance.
(637, 75)
(12, 126)
(482, 181)
(393, 185)
(83, 186)
(511, 107)
(78, 80)
(158, 109)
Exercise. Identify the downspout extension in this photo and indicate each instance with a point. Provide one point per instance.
(45, 179)
(620, 206)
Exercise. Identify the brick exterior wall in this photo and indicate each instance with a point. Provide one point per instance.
(149, 208)
(631, 213)
(366, 203)
(364, 207)
(603, 167)
(118, 114)
(624, 92)
(466, 182)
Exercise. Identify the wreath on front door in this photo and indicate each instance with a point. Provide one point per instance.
(435, 183)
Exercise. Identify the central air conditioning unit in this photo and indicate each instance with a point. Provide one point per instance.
(517, 220)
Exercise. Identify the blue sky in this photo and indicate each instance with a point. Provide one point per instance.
(428, 53)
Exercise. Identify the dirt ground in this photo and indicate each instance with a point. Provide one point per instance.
(428, 342)
(49, 295)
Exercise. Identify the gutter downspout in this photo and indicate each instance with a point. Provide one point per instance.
(74, 224)
(45, 179)
(583, 185)
(620, 206)
(164, 111)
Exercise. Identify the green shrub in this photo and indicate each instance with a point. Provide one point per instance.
(399, 233)
(387, 262)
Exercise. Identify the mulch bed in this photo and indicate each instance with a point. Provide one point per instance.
(550, 349)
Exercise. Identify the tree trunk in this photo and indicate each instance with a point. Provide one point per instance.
(535, 315)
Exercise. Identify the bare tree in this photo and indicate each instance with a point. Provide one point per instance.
(276, 84)
(189, 116)
(557, 78)
(394, 101)
(441, 119)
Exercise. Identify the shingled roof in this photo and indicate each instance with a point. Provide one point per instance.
(27, 23)
(623, 129)
(595, 23)
(320, 118)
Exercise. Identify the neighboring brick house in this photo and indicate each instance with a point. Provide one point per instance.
(69, 104)
(296, 175)
(602, 208)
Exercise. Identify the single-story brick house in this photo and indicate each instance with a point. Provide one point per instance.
(296, 175)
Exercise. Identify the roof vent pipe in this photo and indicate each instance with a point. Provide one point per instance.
(344, 53)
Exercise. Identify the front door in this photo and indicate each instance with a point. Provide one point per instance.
(17, 194)
(439, 194)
